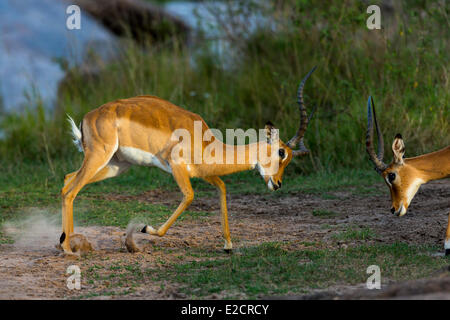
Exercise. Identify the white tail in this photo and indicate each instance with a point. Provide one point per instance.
(76, 133)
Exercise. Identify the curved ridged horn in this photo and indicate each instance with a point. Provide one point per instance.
(304, 120)
(377, 159)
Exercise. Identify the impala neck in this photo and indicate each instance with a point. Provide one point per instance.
(238, 158)
(432, 166)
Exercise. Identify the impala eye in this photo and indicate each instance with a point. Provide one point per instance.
(391, 177)
(281, 153)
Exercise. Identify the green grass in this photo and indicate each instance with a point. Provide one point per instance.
(266, 270)
(352, 233)
(37, 185)
(272, 269)
(324, 213)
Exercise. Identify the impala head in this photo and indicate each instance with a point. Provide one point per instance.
(280, 154)
(402, 179)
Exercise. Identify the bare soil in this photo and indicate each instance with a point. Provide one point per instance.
(35, 272)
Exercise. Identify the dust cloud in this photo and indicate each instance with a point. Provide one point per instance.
(35, 230)
(130, 244)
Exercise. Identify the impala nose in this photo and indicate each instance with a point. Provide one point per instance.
(274, 186)
(392, 210)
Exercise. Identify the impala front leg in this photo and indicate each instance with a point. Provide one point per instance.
(182, 178)
(216, 181)
(74, 182)
(187, 199)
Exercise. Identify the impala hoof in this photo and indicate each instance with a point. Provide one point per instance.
(70, 255)
(62, 238)
(229, 251)
(447, 252)
(228, 247)
(131, 246)
(78, 244)
(152, 231)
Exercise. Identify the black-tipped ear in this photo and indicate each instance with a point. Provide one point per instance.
(271, 132)
(398, 148)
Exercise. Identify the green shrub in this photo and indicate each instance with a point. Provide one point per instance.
(404, 67)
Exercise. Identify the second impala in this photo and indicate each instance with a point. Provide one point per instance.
(403, 175)
(139, 130)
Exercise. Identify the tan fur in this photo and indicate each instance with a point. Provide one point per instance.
(411, 173)
(146, 123)
(428, 167)
(447, 233)
(405, 176)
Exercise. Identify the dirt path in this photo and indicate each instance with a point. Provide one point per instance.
(40, 271)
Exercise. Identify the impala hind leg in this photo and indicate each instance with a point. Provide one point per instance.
(94, 163)
(182, 179)
(68, 177)
(111, 170)
(216, 181)
(447, 237)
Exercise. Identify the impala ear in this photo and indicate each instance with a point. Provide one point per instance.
(271, 132)
(398, 147)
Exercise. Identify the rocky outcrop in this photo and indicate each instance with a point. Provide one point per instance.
(134, 18)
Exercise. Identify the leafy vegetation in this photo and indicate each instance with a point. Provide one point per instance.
(403, 66)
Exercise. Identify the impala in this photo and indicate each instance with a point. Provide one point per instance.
(404, 176)
(138, 131)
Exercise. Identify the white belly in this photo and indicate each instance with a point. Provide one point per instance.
(141, 158)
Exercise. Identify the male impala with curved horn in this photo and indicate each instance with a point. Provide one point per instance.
(139, 131)
(404, 176)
